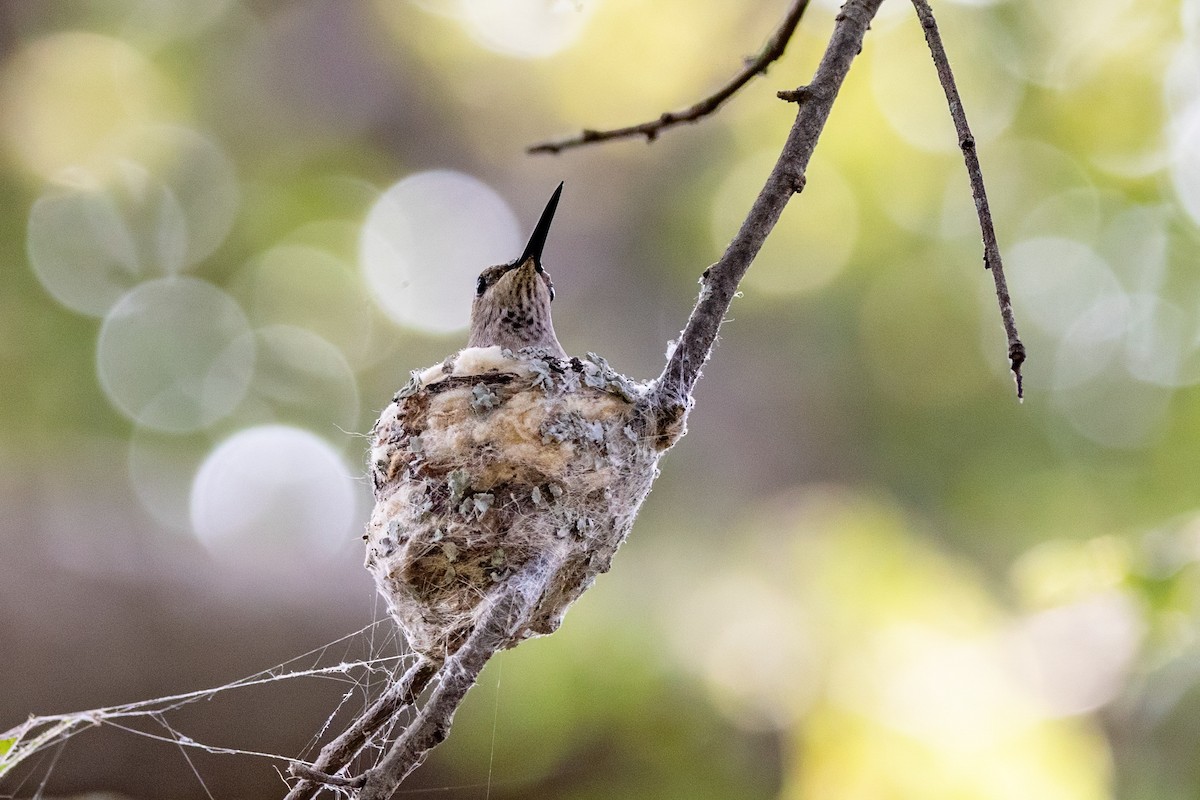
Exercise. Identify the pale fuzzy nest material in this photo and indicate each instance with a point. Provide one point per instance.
(490, 458)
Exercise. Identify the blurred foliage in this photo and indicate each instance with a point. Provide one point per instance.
(867, 572)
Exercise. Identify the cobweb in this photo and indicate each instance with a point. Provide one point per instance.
(32, 748)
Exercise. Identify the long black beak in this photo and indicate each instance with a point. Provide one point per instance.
(538, 240)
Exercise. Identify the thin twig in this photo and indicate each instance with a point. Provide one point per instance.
(316, 776)
(673, 388)
(753, 67)
(497, 628)
(338, 753)
(966, 142)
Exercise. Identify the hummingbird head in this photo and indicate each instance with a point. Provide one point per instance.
(512, 301)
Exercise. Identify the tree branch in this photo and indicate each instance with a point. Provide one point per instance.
(337, 754)
(673, 388)
(497, 628)
(966, 142)
(758, 65)
(507, 612)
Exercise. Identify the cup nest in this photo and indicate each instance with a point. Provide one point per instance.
(492, 458)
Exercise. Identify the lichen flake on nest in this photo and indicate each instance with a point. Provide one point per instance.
(490, 458)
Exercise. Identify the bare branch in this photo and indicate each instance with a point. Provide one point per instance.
(508, 610)
(496, 629)
(338, 754)
(966, 142)
(758, 65)
(673, 388)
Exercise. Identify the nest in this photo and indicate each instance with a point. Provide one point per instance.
(490, 459)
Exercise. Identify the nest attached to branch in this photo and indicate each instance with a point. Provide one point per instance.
(491, 459)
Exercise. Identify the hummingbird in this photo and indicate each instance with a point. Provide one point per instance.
(506, 456)
(512, 301)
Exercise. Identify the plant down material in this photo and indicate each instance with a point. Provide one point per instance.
(491, 459)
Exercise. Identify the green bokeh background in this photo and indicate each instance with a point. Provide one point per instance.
(867, 571)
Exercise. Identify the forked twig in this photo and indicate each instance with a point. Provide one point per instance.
(966, 142)
(341, 751)
(771, 52)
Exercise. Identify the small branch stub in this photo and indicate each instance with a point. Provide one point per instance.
(797, 95)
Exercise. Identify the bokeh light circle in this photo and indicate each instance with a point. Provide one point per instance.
(90, 242)
(63, 98)
(1055, 280)
(527, 28)
(1114, 411)
(1020, 173)
(198, 173)
(162, 467)
(1051, 45)
(754, 649)
(1161, 342)
(916, 109)
(274, 491)
(1137, 243)
(1092, 343)
(814, 238)
(296, 284)
(1181, 81)
(424, 242)
(1075, 657)
(175, 354)
(305, 380)
(1185, 160)
(1074, 213)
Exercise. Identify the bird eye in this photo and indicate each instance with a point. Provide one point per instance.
(552, 292)
(481, 286)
